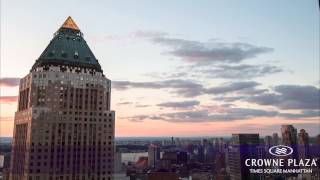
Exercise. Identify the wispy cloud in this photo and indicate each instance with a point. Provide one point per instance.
(188, 88)
(124, 103)
(245, 87)
(303, 114)
(229, 98)
(229, 72)
(290, 97)
(185, 88)
(9, 81)
(294, 97)
(229, 114)
(211, 52)
(200, 52)
(180, 104)
(149, 34)
(242, 71)
(142, 105)
(7, 118)
(8, 99)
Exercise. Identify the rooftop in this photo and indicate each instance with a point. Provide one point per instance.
(69, 48)
(70, 24)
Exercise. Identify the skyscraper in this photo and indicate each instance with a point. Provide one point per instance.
(64, 128)
(318, 139)
(275, 139)
(289, 138)
(303, 144)
(244, 146)
(153, 155)
(289, 135)
(268, 140)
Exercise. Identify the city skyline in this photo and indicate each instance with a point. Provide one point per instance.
(199, 71)
(209, 157)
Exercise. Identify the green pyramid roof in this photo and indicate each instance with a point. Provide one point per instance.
(68, 48)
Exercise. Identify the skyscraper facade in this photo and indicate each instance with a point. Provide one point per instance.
(243, 146)
(268, 140)
(289, 135)
(289, 138)
(303, 144)
(153, 155)
(275, 139)
(64, 128)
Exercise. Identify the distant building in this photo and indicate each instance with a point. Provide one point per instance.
(204, 142)
(198, 175)
(220, 161)
(170, 156)
(162, 176)
(7, 159)
(142, 163)
(275, 139)
(182, 157)
(303, 144)
(1, 161)
(164, 164)
(209, 153)
(243, 146)
(5, 166)
(289, 138)
(222, 175)
(200, 153)
(64, 128)
(219, 144)
(289, 135)
(318, 139)
(6, 174)
(177, 142)
(118, 161)
(153, 155)
(268, 140)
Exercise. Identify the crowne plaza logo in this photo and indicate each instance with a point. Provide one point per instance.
(280, 150)
(284, 164)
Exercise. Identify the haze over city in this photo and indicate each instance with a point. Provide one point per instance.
(179, 68)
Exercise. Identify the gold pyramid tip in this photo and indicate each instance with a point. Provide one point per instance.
(70, 24)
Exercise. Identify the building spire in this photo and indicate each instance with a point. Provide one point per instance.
(70, 24)
(68, 48)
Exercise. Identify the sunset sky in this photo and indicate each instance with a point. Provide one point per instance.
(183, 67)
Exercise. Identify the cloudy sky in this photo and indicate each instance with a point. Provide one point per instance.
(180, 68)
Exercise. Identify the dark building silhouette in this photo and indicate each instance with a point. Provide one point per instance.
(289, 138)
(289, 135)
(243, 146)
(268, 140)
(318, 139)
(275, 139)
(303, 144)
(153, 155)
(200, 153)
(182, 157)
(162, 176)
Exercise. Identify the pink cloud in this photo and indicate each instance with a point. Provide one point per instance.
(8, 99)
